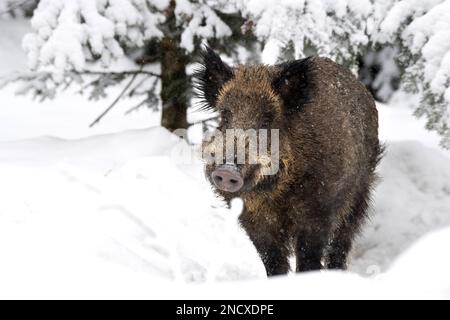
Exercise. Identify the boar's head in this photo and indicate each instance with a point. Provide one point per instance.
(255, 103)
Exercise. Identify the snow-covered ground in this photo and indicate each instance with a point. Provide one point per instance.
(113, 212)
(120, 216)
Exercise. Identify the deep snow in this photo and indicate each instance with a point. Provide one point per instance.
(113, 212)
(121, 207)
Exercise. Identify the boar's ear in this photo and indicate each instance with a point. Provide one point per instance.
(294, 83)
(210, 77)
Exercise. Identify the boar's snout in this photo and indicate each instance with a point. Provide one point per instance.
(227, 178)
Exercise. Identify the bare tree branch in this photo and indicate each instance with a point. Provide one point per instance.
(139, 84)
(29, 75)
(146, 100)
(140, 104)
(100, 117)
(120, 73)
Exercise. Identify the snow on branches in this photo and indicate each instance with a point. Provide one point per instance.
(199, 20)
(16, 8)
(422, 28)
(336, 29)
(74, 41)
(345, 29)
(69, 33)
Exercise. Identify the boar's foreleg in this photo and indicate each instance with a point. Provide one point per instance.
(310, 243)
(271, 244)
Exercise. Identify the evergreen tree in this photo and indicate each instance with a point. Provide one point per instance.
(78, 41)
(363, 33)
(296, 29)
(17, 8)
(391, 43)
(422, 31)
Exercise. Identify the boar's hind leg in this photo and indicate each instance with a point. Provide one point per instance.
(342, 238)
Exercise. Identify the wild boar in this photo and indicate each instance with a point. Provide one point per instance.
(317, 200)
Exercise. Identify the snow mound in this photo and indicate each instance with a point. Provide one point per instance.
(412, 198)
(120, 215)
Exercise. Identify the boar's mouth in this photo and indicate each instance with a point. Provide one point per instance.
(251, 178)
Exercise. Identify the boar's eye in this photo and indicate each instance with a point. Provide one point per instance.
(266, 120)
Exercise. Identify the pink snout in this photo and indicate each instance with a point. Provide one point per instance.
(227, 178)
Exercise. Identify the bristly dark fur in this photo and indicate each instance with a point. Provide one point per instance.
(295, 84)
(210, 77)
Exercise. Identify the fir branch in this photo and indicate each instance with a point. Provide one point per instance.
(14, 6)
(104, 113)
(119, 73)
(138, 106)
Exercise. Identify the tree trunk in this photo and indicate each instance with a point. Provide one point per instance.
(174, 80)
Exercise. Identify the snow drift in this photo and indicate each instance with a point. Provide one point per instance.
(118, 216)
(121, 216)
